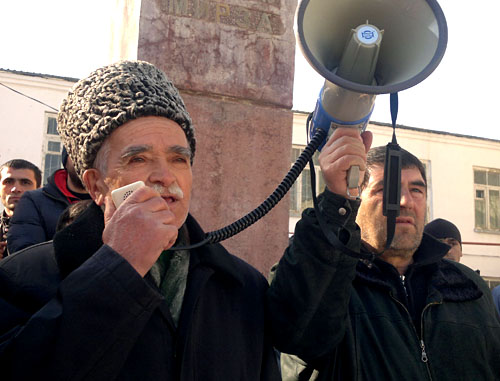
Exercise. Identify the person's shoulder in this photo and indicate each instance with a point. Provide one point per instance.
(241, 270)
(34, 267)
(218, 257)
(32, 194)
(45, 197)
(470, 273)
(246, 268)
(31, 198)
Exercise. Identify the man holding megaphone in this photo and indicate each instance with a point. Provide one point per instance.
(361, 292)
(401, 313)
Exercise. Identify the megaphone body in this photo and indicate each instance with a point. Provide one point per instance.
(363, 48)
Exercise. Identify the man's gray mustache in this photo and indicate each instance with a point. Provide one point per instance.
(173, 189)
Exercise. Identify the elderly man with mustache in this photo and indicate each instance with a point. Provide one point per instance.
(107, 300)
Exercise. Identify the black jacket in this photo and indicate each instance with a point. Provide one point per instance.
(74, 309)
(36, 216)
(354, 320)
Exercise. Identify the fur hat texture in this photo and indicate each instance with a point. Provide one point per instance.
(111, 96)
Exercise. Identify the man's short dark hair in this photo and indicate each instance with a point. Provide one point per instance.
(376, 158)
(24, 164)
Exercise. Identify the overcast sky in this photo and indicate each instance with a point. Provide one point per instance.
(69, 38)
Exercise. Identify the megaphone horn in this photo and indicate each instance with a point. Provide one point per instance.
(363, 48)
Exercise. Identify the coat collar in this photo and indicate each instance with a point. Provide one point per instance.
(212, 255)
(447, 279)
(77, 242)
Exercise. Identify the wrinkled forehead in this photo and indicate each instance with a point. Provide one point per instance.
(144, 135)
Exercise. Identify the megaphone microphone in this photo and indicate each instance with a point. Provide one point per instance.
(399, 46)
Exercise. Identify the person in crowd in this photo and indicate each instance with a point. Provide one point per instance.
(39, 210)
(16, 177)
(111, 297)
(446, 232)
(351, 309)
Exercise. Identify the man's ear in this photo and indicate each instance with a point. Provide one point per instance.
(94, 182)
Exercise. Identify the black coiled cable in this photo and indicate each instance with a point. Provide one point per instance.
(264, 208)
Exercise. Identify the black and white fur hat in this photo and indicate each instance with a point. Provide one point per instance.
(111, 96)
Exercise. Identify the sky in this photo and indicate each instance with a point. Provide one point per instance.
(70, 38)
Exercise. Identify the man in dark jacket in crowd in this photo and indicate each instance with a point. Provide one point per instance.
(16, 177)
(405, 314)
(106, 300)
(38, 210)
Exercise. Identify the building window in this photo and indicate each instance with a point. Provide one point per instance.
(300, 194)
(487, 199)
(52, 147)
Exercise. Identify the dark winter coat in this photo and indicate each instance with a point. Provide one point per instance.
(36, 215)
(74, 309)
(352, 320)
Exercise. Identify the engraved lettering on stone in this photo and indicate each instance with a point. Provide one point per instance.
(222, 10)
(265, 24)
(227, 14)
(201, 9)
(243, 21)
(178, 7)
(276, 3)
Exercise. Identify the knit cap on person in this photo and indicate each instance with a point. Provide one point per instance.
(441, 229)
(111, 96)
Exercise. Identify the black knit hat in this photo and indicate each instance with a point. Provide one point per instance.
(112, 96)
(440, 229)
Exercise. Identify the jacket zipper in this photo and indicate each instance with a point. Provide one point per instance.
(424, 358)
(424, 354)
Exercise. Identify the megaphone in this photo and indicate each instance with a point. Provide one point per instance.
(363, 48)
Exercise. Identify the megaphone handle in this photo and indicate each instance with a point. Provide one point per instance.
(353, 181)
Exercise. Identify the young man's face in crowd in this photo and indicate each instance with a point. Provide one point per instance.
(13, 183)
(410, 223)
(455, 253)
(155, 150)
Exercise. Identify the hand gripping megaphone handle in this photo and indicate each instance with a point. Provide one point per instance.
(324, 121)
(353, 181)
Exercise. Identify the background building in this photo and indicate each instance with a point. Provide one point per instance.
(463, 171)
(28, 113)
